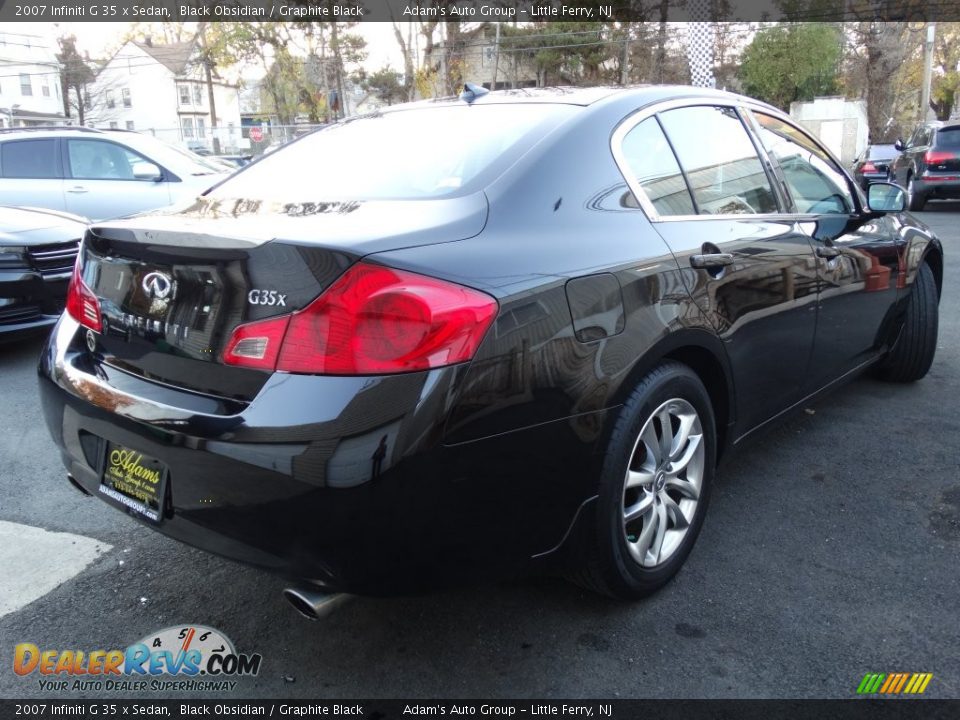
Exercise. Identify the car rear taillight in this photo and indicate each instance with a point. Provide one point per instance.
(82, 305)
(935, 157)
(372, 321)
(869, 167)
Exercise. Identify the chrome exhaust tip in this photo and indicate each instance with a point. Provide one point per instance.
(313, 604)
(73, 481)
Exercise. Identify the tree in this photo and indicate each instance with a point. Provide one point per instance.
(787, 63)
(878, 52)
(75, 76)
(387, 85)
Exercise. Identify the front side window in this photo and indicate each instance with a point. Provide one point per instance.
(722, 167)
(99, 160)
(816, 184)
(654, 168)
(29, 159)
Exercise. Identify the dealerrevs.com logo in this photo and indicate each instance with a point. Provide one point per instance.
(177, 658)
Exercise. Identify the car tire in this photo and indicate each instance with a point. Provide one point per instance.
(915, 201)
(912, 354)
(626, 555)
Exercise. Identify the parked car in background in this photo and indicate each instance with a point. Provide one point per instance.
(928, 165)
(448, 358)
(235, 161)
(873, 164)
(98, 174)
(38, 249)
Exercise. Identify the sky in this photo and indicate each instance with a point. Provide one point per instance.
(100, 39)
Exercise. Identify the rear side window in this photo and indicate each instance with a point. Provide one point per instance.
(816, 185)
(29, 159)
(722, 167)
(654, 167)
(949, 138)
(428, 152)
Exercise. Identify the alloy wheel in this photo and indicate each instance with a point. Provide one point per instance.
(662, 486)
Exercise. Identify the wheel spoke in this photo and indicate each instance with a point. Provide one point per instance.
(647, 534)
(681, 462)
(683, 434)
(674, 512)
(685, 487)
(657, 545)
(640, 478)
(639, 508)
(666, 433)
(652, 442)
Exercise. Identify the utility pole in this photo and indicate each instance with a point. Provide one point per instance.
(927, 71)
(496, 59)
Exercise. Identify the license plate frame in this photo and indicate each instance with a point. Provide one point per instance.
(134, 481)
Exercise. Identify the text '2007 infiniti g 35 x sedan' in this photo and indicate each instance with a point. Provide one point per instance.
(461, 337)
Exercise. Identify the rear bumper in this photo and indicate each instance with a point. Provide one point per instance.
(934, 187)
(28, 302)
(341, 481)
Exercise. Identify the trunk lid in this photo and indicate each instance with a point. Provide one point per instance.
(173, 287)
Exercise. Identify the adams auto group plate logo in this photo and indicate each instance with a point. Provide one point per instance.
(180, 657)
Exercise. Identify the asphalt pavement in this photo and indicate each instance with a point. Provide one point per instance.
(831, 549)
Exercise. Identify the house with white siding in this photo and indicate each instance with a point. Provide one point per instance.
(30, 91)
(162, 90)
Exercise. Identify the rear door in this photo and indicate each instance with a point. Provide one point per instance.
(700, 178)
(107, 180)
(32, 175)
(857, 259)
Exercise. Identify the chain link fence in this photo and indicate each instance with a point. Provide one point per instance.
(233, 140)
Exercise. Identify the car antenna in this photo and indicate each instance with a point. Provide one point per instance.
(471, 92)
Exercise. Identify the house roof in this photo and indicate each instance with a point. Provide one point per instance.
(174, 56)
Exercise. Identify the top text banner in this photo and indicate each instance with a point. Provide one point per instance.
(465, 10)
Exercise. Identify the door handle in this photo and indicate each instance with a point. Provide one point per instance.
(827, 252)
(711, 260)
(77, 189)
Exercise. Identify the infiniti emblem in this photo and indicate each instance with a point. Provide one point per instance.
(156, 285)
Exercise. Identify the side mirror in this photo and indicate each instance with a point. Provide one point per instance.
(886, 197)
(899, 145)
(147, 171)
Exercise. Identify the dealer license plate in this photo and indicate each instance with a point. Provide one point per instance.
(135, 481)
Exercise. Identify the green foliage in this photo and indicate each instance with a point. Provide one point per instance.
(786, 63)
(75, 75)
(386, 84)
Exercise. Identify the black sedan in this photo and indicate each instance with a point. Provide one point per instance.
(38, 249)
(873, 164)
(467, 336)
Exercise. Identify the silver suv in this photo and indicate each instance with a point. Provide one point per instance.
(98, 174)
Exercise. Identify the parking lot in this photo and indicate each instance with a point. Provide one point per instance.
(831, 549)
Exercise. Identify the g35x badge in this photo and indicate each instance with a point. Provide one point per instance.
(266, 297)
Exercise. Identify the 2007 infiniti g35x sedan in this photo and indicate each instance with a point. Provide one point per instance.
(463, 336)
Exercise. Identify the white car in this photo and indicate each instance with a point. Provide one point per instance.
(98, 174)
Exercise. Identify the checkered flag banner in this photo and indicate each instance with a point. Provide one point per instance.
(700, 46)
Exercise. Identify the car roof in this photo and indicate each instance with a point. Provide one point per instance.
(583, 96)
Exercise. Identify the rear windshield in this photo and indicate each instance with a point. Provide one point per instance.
(881, 152)
(948, 138)
(408, 154)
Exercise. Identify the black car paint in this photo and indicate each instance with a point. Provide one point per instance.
(375, 484)
(881, 156)
(33, 287)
